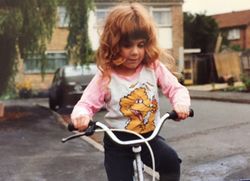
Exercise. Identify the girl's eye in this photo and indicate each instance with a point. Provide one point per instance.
(141, 45)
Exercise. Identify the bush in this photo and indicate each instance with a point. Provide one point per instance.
(246, 81)
(24, 89)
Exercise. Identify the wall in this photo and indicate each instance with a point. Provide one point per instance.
(247, 40)
(37, 83)
(57, 43)
(241, 41)
(35, 79)
(59, 40)
(228, 64)
(177, 17)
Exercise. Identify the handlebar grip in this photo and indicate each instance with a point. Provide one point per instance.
(88, 132)
(71, 127)
(173, 115)
(191, 113)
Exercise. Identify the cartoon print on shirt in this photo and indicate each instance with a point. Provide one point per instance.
(140, 109)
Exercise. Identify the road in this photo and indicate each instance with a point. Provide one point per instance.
(214, 145)
(31, 150)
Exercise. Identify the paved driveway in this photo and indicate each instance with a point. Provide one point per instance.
(31, 149)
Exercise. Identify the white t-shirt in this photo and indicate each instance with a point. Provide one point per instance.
(132, 102)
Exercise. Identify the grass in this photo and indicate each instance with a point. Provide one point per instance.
(236, 89)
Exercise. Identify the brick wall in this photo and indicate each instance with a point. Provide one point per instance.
(58, 42)
(35, 79)
(240, 42)
(244, 41)
(37, 83)
(247, 39)
(236, 19)
(59, 39)
(177, 18)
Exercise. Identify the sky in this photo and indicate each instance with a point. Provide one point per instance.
(211, 7)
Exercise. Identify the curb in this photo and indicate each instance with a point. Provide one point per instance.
(234, 97)
(85, 138)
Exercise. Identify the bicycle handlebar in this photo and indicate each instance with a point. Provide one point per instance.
(94, 125)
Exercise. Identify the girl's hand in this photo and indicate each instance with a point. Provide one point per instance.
(182, 111)
(81, 122)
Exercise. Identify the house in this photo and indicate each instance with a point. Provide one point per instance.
(235, 26)
(166, 13)
(29, 71)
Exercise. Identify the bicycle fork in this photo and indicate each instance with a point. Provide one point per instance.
(138, 165)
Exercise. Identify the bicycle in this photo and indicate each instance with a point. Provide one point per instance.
(136, 144)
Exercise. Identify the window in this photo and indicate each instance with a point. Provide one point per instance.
(233, 34)
(162, 17)
(163, 20)
(53, 61)
(63, 19)
(96, 21)
(100, 15)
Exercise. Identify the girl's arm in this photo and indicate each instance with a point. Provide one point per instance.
(171, 88)
(91, 100)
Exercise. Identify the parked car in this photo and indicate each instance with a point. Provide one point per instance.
(68, 84)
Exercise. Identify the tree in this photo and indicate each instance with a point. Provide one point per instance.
(200, 31)
(27, 25)
(78, 45)
(25, 28)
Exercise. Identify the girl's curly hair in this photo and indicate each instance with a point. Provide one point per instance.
(124, 23)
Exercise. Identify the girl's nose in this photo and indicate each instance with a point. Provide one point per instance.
(134, 50)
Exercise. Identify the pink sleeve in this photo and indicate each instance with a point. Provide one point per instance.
(92, 98)
(171, 88)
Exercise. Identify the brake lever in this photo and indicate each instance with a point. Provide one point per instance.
(73, 136)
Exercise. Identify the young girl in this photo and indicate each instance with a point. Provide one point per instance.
(127, 84)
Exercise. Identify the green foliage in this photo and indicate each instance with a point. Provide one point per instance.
(236, 48)
(79, 46)
(227, 44)
(234, 89)
(8, 19)
(7, 61)
(200, 31)
(246, 81)
(39, 18)
(25, 27)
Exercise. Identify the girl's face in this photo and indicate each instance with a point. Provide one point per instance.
(133, 52)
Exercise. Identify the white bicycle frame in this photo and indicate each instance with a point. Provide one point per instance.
(135, 143)
(138, 165)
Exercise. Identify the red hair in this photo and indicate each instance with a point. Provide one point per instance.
(126, 22)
